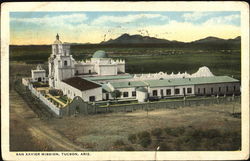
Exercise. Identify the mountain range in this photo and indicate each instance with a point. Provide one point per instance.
(139, 39)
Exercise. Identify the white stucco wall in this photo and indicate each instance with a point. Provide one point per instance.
(72, 92)
(172, 90)
(107, 70)
(141, 96)
(35, 74)
(97, 92)
(129, 90)
(215, 87)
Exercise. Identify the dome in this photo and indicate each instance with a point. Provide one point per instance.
(100, 54)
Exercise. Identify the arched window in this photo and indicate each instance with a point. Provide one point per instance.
(65, 63)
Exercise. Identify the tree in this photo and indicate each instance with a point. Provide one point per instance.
(115, 94)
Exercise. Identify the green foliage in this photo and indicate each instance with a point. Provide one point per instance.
(119, 143)
(132, 138)
(116, 94)
(164, 147)
(55, 92)
(156, 132)
(145, 142)
(128, 148)
(143, 134)
(144, 138)
(174, 131)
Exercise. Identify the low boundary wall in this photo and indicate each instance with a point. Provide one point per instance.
(78, 106)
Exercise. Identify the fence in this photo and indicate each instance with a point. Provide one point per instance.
(170, 105)
(53, 107)
(81, 107)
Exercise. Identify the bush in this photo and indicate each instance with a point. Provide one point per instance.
(174, 131)
(143, 134)
(119, 143)
(164, 147)
(156, 132)
(167, 130)
(128, 148)
(212, 133)
(145, 142)
(132, 138)
(144, 138)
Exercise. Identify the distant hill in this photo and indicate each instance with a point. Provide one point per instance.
(136, 39)
(212, 39)
(139, 40)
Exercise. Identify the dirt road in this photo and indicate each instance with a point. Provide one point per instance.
(28, 132)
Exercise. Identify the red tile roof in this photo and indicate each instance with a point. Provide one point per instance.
(81, 84)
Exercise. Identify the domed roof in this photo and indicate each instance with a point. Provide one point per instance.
(100, 54)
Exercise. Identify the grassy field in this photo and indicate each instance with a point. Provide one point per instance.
(146, 60)
(182, 129)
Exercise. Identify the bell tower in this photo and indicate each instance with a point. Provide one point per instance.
(61, 63)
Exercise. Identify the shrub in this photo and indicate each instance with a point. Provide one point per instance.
(128, 148)
(156, 132)
(144, 138)
(119, 143)
(132, 138)
(143, 134)
(145, 142)
(212, 133)
(167, 130)
(164, 147)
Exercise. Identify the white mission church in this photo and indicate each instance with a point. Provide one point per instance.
(95, 79)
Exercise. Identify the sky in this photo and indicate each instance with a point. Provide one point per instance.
(94, 27)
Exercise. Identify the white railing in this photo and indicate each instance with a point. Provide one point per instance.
(53, 107)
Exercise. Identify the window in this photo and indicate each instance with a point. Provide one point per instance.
(204, 90)
(89, 71)
(77, 72)
(134, 93)
(234, 88)
(168, 91)
(177, 91)
(65, 63)
(189, 90)
(154, 92)
(219, 89)
(199, 90)
(227, 88)
(92, 98)
(212, 90)
(107, 96)
(125, 94)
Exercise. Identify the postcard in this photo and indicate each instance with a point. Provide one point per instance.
(125, 80)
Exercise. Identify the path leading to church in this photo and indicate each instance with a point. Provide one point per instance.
(28, 132)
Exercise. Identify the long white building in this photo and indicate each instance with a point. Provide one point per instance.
(95, 79)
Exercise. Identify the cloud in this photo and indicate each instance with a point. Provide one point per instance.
(194, 16)
(187, 31)
(223, 19)
(127, 18)
(54, 20)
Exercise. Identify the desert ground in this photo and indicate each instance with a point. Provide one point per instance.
(110, 132)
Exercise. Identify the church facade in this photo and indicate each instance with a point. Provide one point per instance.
(97, 78)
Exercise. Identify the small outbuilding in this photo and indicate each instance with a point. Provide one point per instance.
(141, 94)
